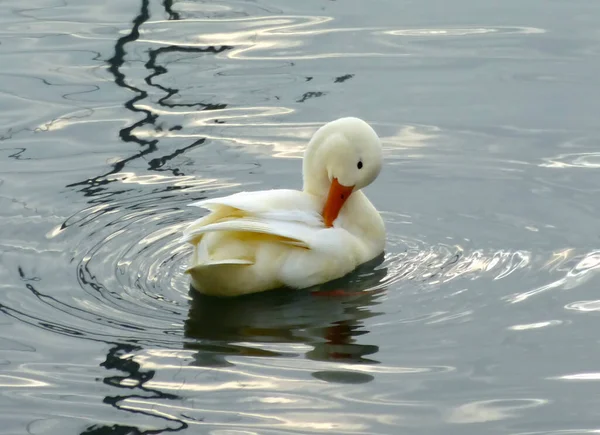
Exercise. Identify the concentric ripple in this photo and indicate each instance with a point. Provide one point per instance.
(130, 265)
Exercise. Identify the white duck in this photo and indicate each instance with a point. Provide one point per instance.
(256, 241)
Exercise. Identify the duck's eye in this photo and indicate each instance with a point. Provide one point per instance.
(359, 164)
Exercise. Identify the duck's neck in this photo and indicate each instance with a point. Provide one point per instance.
(315, 174)
(316, 183)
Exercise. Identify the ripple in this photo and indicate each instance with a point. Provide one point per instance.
(441, 32)
(573, 160)
(128, 271)
(584, 306)
(492, 410)
(281, 37)
(592, 376)
(536, 325)
(442, 263)
(561, 432)
(9, 381)
(129, 262)
(579, 269)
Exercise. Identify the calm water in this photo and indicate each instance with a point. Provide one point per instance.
(482, 318)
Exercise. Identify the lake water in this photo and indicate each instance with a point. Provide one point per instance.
(483, 317)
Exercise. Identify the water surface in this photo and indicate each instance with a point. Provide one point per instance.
(481, 317)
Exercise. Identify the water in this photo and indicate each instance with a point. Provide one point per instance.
(482, 316)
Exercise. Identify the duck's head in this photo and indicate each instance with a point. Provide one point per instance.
(342, 157)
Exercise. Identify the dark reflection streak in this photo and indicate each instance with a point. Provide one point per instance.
(168, 5)
(159, 70)
(116, 359)
(343, 78)
(115, 64)
(93, 185)
(17, 155)
(118, 58)
(308, 95)
(156, 164)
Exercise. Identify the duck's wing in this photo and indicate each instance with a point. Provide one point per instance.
(292, 233)
(281, 204)
(290, 215)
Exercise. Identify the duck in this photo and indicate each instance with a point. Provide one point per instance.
(254, 241)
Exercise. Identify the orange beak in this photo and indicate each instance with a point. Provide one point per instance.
(336, 198)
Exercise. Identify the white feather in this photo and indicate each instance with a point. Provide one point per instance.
(301, 234)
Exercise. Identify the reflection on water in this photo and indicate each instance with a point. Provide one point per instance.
(481, 315)
(135, 379)
(329, 319)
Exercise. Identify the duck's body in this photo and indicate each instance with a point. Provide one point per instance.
(256, 241)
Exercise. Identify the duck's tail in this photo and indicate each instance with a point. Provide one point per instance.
(231, 277)
(214, 263)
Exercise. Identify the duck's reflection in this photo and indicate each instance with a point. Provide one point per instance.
(328, 319)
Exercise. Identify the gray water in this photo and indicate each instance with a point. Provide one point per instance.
(483, 317)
